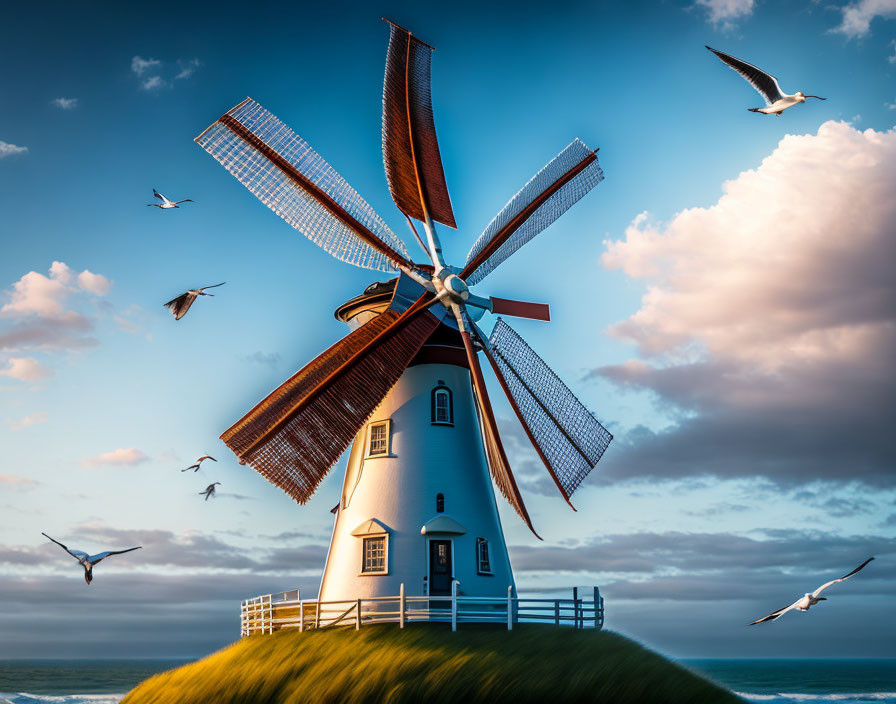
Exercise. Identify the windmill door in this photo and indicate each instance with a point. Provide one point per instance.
(440, 572)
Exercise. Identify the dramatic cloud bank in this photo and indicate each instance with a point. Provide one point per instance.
(769, 322)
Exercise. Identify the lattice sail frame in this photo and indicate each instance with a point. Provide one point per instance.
(411, 154)
(296, 434)
(577, 159)
(297, 205)
(568, 436)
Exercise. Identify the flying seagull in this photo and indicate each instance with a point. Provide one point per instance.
(166, 204)
(776, 100)
(809, 600)
(209, 491)
(88, 561)
(180, 305)
(195, 467)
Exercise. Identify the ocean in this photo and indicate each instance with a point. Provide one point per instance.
(774, 681)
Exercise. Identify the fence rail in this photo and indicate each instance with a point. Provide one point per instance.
(275, 612)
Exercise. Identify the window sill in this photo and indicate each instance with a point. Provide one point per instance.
(445, 423)
(485, 574)
(372, 574)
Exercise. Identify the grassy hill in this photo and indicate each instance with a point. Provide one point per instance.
(428, 663)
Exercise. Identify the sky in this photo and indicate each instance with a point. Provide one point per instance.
(724, 302)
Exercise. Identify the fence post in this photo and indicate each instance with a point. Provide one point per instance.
(270, 614)
(259, 609)
(358, 617)
(317, 614)
(556, 612)
(510, 608)
(401, 606)
(301, 617)
(596, 604)
(454, 604)
(575, 607)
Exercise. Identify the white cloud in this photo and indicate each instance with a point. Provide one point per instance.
(10, 481)
(725, 12)
(774, 310)
(892, 59)
(187, 68)
(857, 17)
(33, 419)
(139, 65)
(122, 457)
(65, 103)
(95, 283)
(153, 82)
(7, 149)
(25, 369)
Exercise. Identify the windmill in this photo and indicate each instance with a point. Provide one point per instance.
(405, 387)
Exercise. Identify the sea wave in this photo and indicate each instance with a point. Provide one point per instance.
(26, 698)
(839, 698)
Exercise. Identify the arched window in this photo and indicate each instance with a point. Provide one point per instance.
(440, 503)
(442, 406)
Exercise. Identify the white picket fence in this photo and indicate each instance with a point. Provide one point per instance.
(274, 612)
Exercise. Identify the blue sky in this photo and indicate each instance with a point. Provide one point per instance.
(734, 337)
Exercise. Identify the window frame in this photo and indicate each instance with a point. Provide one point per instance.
(440, 503)
(433, 408)
(483, 543)
(364, 542)
(368, 445)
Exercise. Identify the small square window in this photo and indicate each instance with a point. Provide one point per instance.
(374, 555)
(483, 565)
(378, 439)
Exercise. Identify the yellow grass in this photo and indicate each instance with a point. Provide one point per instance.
(428, 663)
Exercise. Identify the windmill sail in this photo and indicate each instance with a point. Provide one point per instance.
(567, 437)
(289, 177)
(410, 148)
(297, 433)
(550, 193)
(494, 450)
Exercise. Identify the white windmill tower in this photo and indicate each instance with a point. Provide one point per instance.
(405, 385)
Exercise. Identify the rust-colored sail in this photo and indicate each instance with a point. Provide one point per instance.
(297, 433)
(410, 148)
(494, 450)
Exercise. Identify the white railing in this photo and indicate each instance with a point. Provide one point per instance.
(274, 612)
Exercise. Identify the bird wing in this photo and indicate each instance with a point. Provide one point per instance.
(844, 577)
(206, 457)
(192, 466)
(158, 195)
(180, 305)
(100, 556)
(77, 554)
(765, 84)
(776, 614)
(185, 200)
(215, 286)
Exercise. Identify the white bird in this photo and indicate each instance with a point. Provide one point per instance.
(89, 561)
(166, 204)
(180, 305)
(776, 100)
(195, 467)
(209, 491)
(809, 600)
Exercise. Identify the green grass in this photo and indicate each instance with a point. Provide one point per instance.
(428, 663)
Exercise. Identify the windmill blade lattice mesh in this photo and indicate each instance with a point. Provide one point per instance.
(514, 233)
(298, 206)
(336, 394)
(410, 149)
(566, 432)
